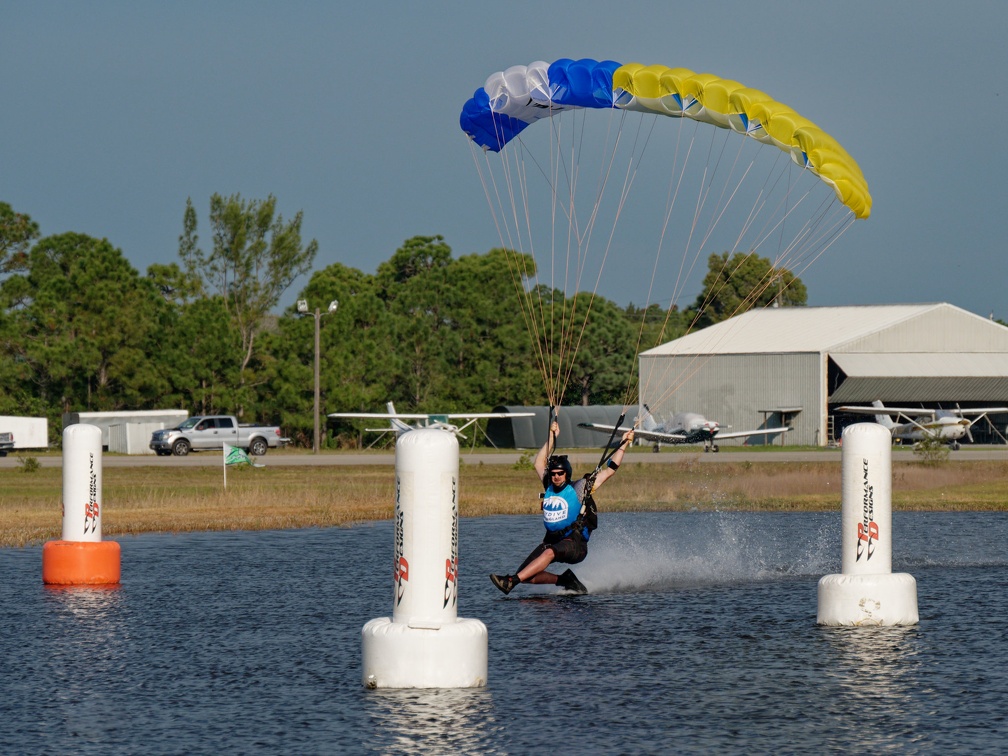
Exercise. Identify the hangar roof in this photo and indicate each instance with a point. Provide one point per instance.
(875, 329)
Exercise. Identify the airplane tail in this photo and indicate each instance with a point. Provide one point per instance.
(395, 423)
(647, 421)
(884, 420)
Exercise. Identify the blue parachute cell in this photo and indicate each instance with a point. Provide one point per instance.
(488, 129)
(584, 83)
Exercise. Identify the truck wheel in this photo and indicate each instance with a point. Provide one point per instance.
(180, 448)
(258, 447)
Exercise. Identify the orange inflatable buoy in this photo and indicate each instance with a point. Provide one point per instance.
(80, 562)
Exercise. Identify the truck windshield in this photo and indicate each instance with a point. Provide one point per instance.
(188, 423)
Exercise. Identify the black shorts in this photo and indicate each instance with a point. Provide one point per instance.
(570, 550)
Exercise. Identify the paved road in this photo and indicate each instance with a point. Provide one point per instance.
(357, 459)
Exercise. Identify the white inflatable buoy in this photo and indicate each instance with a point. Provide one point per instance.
(81, 557)
(867, 592)
(425, 644)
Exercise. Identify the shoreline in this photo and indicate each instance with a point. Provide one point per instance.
(173, 499)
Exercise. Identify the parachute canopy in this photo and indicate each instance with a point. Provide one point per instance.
(512, 100)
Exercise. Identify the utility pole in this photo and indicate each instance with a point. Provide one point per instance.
(315, 437)
(302, 307)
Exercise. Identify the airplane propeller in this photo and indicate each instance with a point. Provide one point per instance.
(969, 423)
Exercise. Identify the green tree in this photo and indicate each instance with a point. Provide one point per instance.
(491, 354)
(654, 325)
(602, 362)
(256, 256)
(176, 285)
(736, 283)
(415, 285)
(417, 256)
(355, 350)
(426, 331)
(86, 324)
(202, 358)
(17, 231)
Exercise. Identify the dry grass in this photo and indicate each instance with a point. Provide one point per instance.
(159, 499)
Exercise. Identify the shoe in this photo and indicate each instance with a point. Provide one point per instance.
(568, 581)
(505, 583)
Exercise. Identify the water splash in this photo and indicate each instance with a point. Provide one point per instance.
(670, 550)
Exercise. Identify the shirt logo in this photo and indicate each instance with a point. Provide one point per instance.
(555, 509)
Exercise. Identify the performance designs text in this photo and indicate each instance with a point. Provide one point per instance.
(451, 563)
(867, 529)
(400, 570)
(91, 509)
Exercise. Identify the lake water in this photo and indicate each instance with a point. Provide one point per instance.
(699, 636)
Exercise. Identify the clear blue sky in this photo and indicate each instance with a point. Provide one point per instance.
(113, 113)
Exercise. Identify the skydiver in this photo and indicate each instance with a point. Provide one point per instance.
(565, 507)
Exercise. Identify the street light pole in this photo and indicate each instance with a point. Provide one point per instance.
(302, 307)
(315, 438)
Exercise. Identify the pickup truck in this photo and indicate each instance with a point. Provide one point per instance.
(6, 443)
(206, 432)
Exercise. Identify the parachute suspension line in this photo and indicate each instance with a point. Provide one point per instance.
(575, 242)
(636, 157)
(546, 324)
(754, 213)
(578, 240)
(791, 254)
(697, 361)
(628, 182)
(837, 228)
(676, 179)
(811, 241)
(699, 204)
(574, 246)
(517, 261)
(717, 215)
(541, 330)
(535, 295)
(605, 171)
(603, 181)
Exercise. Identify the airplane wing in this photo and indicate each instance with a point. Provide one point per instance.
(484, 415)
(426, 419)
(916, 413)
(660, 436)
(639, 433)
(378, 415)
(908, 412)
(473, 417)
(758, 432)
(428, 415)
(979, 410)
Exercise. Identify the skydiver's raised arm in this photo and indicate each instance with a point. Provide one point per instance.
(615, 461)
(543, 456)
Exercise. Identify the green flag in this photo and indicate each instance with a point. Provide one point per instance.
(235, 456)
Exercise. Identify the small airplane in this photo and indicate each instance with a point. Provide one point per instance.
(683, 428)
(424, 420)
(944, 425)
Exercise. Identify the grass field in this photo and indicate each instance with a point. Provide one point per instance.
(160, 499)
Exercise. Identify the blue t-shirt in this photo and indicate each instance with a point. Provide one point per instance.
(561, 508)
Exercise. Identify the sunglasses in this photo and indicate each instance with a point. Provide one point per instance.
(554, 473)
